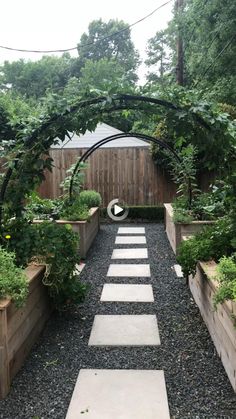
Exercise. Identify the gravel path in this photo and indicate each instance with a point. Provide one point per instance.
(197, 385)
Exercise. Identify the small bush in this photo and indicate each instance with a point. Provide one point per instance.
(90, 198)
(212, 243)
(149, 212)
(226, 275)
(74, 211)
(13, 281)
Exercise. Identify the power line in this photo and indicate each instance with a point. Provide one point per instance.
(218, 56)
(89, 43)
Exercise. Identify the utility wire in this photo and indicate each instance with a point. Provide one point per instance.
(89, 43)
(218, 56)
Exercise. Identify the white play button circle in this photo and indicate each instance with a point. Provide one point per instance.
(117, 209)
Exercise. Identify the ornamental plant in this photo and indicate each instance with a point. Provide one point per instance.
(13, 281)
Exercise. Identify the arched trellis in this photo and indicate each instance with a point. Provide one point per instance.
(108, 104)
(144, 137)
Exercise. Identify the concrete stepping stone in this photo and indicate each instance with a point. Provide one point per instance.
(125, 330)
(129, 270)
(137, 253)
(130, 240)
(178, 271)
(131, 230)
(119, 394)
(127, 293)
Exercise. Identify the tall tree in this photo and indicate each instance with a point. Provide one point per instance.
(158, 56)
(210, 46)
(111, 40)
(33, 78)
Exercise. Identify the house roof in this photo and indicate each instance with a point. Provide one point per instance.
(101, 132)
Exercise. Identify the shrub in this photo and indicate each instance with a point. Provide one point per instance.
(149, 212)
(74, 211)
(212, 243)
(226, 271)
(13, 281)
(57, 247)
(90, 198)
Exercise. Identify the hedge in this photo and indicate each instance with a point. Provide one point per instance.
(149, 212)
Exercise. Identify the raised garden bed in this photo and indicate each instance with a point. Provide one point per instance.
(176, 232)
(20, 327)
(221, 323)
(87, 230)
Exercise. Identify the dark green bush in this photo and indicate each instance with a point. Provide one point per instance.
(213, 242)
(55, 245)
(13, 281)
(226, 271)
(74, 211)
(90, 198)
(150, 213)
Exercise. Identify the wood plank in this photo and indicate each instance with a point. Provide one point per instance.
(4, 358)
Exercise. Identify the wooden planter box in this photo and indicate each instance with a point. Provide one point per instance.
(221, 323)
(20, 327)
(87, 230)
(176, 232)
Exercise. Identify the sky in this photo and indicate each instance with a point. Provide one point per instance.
(58, 24)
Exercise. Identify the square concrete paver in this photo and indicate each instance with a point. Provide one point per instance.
(129, 270)
(131, 230)
(127, 293)
(137, 253)
(130, 240)
(119, 394)
(178, 271)
(125, 330)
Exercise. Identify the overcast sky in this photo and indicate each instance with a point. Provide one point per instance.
(58, 24)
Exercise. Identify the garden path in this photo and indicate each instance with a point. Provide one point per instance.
(123, 393)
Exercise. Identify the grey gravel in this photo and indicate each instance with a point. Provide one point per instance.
(197, 385)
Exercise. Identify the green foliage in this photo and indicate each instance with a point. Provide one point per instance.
(13, 281)
(58, 247)
(158, 57)
(41, 208)
(212, 243)
(143, 212)
(103, 45)
(45, 243)
(184, 174)
(78, 180)
(90, 198)
(74, 210)
(226, 275)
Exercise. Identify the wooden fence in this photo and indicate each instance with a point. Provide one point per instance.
(125, 173)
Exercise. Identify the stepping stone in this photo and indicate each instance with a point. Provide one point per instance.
(131, 230)
(125, 330)
(137, 253)
(127, 293)
(129, 270)
(178, 271)
(130, 240)
(119, 394)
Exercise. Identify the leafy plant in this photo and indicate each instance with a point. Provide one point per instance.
(90, 198)
(13, 281)
(74, 210)
(226, 275)
(41, 208)
(184, 174)
(78, 180)
(212, 243)
(55, 245)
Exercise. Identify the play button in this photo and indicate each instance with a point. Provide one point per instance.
(116, 210)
